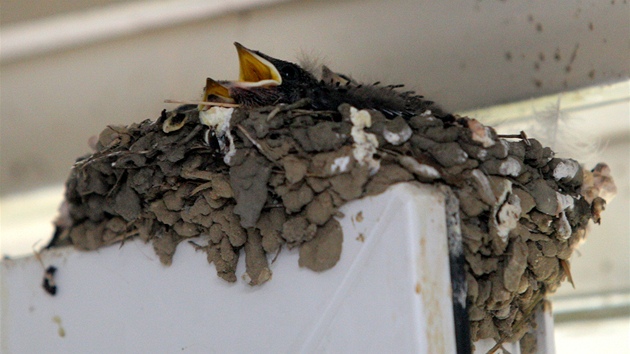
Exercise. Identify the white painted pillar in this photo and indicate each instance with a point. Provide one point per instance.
(389, 293)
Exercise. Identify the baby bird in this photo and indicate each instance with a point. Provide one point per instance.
(264, 80)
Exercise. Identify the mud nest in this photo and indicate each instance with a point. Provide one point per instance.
(261, 179)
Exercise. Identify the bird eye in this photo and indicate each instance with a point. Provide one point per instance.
(289, 72)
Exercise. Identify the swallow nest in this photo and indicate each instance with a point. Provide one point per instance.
(255, 180)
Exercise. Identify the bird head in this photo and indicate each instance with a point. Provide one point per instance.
(262, 81)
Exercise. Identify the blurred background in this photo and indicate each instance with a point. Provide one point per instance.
(558, 70)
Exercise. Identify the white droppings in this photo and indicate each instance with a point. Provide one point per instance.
(399, 137)
(340, 164)
(480, 133)
(365, 143)
(563, 227)
(566, 169)
(247, 278)
(428, 171)
(419, 169)
(510, 167)
(506, 210)
(507, 216)
(426, 113)
(564, 202)
(218, 119)
(503, 189)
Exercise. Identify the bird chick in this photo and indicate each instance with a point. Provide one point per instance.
(264, 80)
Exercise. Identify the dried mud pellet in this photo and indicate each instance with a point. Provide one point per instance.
(324, 250)
(158, 208)
(295, 200)
(164, 246)
(321, 209)
(185, 229)
(441, 135)
(249, 184)
(516, 265)
(349, 186)
(256, 266)
(544, 196)
(297, 230)
(449, 154)
(295, 169)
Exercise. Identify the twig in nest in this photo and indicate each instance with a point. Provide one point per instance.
(277, 254)
(286, 107)
(201, 187)
(251, 139)
(105, 154)
(256, 144)
(388, 151)
(521, 136)
(204, 103)
(123, 237)
(116, 185)
(566, 266)
(197, 246)
(191, 135)
(305, 112)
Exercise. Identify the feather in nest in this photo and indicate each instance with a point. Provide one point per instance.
(564, 134)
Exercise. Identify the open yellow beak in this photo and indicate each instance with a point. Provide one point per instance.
(256, 70)
(214, 91)
(214, 88)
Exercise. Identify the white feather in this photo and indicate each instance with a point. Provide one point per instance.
(563, 133)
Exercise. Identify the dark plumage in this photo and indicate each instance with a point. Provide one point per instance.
(335, 89)
(265, 80)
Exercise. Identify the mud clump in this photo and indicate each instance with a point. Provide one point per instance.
(245, 179)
